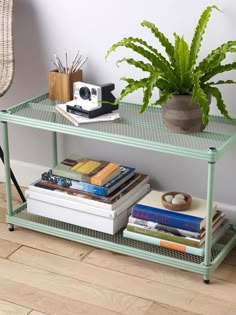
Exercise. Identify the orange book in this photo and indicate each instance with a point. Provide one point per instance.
(106, 174)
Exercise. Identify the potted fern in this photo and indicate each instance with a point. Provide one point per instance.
(185, 84)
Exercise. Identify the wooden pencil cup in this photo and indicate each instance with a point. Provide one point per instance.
(60, 85)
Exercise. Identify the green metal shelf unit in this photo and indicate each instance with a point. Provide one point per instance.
(144, 131)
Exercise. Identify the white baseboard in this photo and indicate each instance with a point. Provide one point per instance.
(27, 173)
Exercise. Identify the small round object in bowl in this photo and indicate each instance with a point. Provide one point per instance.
(177, 201)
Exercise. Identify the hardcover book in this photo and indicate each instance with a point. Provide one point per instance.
(87, 170)
(167, 235)
(82, 198)
(176, 246)
(150, 208)
(176, 231)
(79, 120)
(126, 173)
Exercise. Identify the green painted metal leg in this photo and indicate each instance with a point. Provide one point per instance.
(54, 148)
(7, 173)
(210, 185)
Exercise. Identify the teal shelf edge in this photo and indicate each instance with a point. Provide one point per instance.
(122, 245)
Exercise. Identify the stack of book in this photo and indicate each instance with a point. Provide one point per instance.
(179, 230)
(89, 193)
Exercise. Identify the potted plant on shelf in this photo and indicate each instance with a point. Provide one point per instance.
(185, 83)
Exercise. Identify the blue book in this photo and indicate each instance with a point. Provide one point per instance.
(150, 208)
(126, 173)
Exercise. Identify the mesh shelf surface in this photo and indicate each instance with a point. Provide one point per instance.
(119, 239)
(144, 130)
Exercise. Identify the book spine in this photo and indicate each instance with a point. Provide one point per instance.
(163, 235)
(163, 243)
(98, 179)
(165, 228)
(166, 218)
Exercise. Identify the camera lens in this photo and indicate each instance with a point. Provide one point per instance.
(85, 93)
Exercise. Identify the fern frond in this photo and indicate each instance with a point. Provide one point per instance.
(201, 98)
(138, 64)
(165, 96)
(132, 86)
(162, 39)
(215, 92)
(215, 57)
(198, 35)
(181, 55)
(220, 69)
(147, 93)
(222, 82)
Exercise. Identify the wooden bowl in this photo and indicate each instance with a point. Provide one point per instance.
(176, 207)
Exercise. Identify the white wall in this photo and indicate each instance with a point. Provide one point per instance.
(43, 27)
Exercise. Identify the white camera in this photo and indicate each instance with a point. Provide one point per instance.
(92, 100)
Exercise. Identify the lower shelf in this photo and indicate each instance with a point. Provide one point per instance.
(117, 243)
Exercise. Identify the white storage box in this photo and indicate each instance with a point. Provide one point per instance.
(107, 221)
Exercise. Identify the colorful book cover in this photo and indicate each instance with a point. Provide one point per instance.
(126, 173)
(167, 235)
(84, 198)
(83, 169)
(176, 231)
(150, 208)
(176, 246)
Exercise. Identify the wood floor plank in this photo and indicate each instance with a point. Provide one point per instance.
(7, 308)
(37, 313)
(45, 242)
(46, 302)
(221, 286)
(226, 272)
(159, 309)
(6, 248)
(181, 298)
(79, 290)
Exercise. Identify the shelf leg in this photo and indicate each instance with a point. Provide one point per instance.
(208, 240)
(54, 148)
(7, 172)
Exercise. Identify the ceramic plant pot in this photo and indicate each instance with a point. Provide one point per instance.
(180, 116)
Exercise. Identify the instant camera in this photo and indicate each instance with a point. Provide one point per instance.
(92, 100)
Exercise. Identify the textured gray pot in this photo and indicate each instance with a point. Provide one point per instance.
(180, 116)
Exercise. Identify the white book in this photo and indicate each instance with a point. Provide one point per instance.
(71, 212)
(79, 120)
(127, 194)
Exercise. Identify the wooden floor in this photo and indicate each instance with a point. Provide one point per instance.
(41, 274)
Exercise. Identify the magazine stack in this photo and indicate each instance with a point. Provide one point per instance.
(94, 194)
(183, 231)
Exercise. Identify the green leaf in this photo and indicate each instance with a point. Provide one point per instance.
(198, 35)
(222, 82)
(215, 57)
(165, 96)
(162, 39)
(131, 87)
(138, 64)
(200, 97)
(215, 92)
(181, 57)
(147, 93)
(220, 69)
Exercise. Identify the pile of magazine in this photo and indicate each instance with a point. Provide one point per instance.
(91, 193)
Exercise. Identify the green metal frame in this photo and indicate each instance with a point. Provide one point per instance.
(143, 131)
